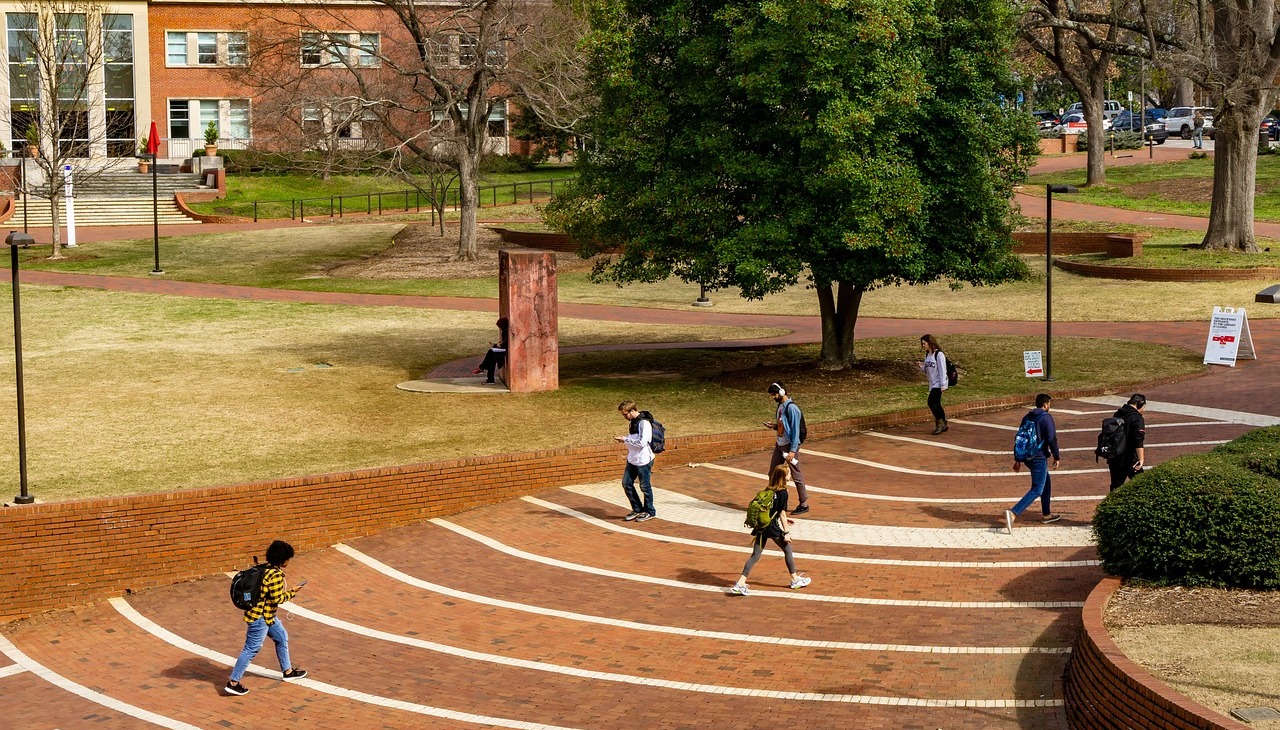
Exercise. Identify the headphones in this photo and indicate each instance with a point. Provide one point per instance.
(781, 390)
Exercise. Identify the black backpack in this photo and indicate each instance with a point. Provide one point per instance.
(658, 435)
(953, 375)
(246, 586)
(1111, 440)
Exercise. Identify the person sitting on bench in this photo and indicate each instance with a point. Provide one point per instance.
(497, 354)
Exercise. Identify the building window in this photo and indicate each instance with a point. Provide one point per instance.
(117, 45)
(24, 77)
(238, 119)
(312, 119)
(360, 50)
(206, 47)
(467, 49)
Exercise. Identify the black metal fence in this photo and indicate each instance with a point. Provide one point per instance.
(398, 201)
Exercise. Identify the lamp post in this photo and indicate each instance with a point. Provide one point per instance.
(15, 240)
(155, 207)
(1049, 190)
(26, 201)
(702, 300)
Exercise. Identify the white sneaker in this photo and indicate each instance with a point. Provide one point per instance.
(800, 582)
(1008, 521)
(737, 589)
(631, 516)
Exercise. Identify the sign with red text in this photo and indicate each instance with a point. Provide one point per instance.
(1032, 364)
(1229, 338)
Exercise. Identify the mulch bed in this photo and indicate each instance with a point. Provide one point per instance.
(1148, 606)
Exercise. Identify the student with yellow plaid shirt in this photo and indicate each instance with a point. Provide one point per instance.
(262, 619)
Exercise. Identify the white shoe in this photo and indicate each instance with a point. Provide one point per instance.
(800, 582)
(1009, 517)
(737, 589)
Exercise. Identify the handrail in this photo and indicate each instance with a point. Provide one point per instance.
(405, 200)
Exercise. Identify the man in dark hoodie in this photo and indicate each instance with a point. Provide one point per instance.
(1128, 462)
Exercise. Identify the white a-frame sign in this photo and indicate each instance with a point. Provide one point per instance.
(1229, 338)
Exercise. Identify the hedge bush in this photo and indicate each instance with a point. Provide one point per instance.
(1199, 520)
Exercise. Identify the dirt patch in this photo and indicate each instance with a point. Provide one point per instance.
(1147, 606)
(421, 252)
(804, 377)
(1185, 190)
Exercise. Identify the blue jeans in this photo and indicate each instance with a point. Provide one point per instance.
(1040, 486)
(629, 486)
(1197, 137)
(253, 638)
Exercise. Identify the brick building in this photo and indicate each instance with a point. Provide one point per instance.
(187, 63)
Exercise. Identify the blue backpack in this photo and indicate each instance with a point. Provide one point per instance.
(1027, 444)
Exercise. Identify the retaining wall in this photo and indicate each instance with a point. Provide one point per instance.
(1105, 690)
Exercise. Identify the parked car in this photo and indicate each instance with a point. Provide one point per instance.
(1045, 119)
(1150, 128)
(1075, 123)
(1157, 113)
(1271, 125)
(1110, 108)
(1181, 120)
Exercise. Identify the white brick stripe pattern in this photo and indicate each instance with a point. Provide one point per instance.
(681, 631)
(61, 682)
(792, 595)
(691, 511)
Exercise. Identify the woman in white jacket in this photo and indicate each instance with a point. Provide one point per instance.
(935, 367)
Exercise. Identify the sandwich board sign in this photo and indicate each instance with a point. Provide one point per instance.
(1229, 338)
(1032, 364)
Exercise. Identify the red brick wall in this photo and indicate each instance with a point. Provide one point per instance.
(547, 240)
(1105, 690)
(1143, 274)
(66, 553)
(1069, 244)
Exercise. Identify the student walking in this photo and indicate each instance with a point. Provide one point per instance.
(934, 366)
(1036, 441)
(1129, 460)
(1197, 130)
(778, 530)
(262, 620)
(640, 457)
(788, 422)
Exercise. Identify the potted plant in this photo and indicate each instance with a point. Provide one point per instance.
(33, 142)
(144, 165)
(211, 139)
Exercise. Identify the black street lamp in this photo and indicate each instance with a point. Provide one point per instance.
(155, 206)
(1049, 190)
(702, 300)
(15, 240)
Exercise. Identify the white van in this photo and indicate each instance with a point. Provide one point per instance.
(1110, 108)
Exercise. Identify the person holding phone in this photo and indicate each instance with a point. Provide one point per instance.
(262, 621)
(497, 354)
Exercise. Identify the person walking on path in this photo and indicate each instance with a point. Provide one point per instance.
(934, 366)
(786, 450)
(1045, 444)
(1127, 463)
(1197, 130)
(639, 461)
(262, 620)
(497, 354)
(778, 530)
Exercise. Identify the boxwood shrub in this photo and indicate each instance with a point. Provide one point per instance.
(1199, 520)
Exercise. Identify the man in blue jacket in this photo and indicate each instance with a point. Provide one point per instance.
(1038, 464)
(787, 447)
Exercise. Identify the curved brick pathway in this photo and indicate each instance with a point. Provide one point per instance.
(550, 612)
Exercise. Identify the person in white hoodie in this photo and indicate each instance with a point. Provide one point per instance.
(639, 461)
(934, 365)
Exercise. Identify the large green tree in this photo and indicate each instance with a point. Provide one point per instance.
(746, 144)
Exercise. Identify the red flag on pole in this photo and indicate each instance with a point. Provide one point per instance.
(153, 140)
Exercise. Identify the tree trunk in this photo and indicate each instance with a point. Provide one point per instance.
(1184, 93)
(468, 207)
(1095, 134)
(55, 214)
(1235, 172)
(839, 316)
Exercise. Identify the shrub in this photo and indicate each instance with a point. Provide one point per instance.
(1199, 520)
(505, 163)
(1051, 133)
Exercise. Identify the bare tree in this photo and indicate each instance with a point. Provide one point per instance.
(431, 84)
(56, 56)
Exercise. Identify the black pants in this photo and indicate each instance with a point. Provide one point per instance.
(1121, 469)
(491, 362)
(935, 404)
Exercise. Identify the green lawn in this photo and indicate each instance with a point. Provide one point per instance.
(274, 193)
(1181, 187)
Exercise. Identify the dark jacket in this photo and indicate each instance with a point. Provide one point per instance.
(1135, 428)
(1048, 432)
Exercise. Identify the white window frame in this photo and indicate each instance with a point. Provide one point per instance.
(191, 48)
(341, 48)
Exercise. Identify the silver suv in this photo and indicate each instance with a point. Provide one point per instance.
(1181, 120)
(1110, 108)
